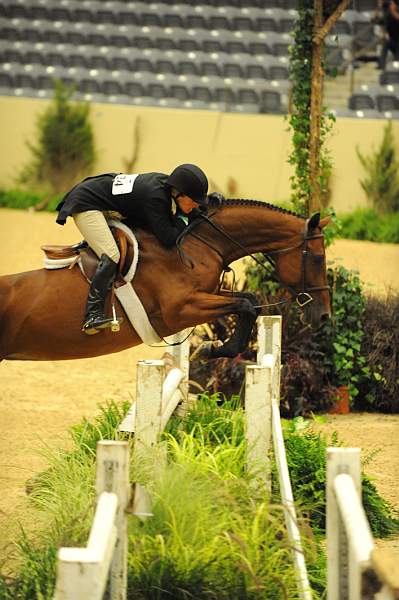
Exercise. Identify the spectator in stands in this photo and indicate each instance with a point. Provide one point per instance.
(390, 24)
(146, 200)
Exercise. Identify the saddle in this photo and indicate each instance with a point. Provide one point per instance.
(69, 256)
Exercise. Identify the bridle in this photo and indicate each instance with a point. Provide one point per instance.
(301, 297)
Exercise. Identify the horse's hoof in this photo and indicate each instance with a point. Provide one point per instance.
(204, 350)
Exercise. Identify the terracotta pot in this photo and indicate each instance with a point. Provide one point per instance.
(341, 406)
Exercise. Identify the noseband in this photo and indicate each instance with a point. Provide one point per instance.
(303, 297)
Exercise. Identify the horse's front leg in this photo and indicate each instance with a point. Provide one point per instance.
(204, 308)
(246, 319)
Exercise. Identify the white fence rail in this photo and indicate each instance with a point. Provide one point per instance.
(353, 565)
(83, 573)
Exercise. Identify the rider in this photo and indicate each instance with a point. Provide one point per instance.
(159, 203)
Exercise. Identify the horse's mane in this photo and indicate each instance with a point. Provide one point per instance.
(246, 202)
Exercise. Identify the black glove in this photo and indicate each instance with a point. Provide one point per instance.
(196, 212)
(215, 198)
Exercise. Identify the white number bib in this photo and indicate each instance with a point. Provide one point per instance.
(123, 184)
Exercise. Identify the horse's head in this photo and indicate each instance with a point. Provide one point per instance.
(302, 271)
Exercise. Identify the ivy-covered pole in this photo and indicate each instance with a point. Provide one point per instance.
(315, 20)
(316, 112)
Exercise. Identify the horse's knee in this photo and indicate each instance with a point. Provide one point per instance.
(248, 308)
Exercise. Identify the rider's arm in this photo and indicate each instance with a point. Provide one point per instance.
(162, 223)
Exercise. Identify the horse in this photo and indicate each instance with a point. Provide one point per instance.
(41, 311)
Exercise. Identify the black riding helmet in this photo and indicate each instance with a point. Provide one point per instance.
(191, 181)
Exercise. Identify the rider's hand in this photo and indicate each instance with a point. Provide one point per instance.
(215, 198)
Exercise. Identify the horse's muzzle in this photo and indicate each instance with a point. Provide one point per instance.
(316, 314)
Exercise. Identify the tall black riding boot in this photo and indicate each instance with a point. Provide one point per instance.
(102, 281)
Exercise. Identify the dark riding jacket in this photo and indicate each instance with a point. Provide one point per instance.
(147, 206)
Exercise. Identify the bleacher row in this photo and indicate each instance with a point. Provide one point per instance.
(222, 57)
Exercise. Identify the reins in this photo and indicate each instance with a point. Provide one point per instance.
(302, 297)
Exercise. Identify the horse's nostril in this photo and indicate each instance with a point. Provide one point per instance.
(324, 318)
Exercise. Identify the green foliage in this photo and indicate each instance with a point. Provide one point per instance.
(343, 334)
(306, 456)
(18, 198)
(301, 57)
(367, 224)
(333, 230)
(301, 78)
(381, 183)
(317, 361)
(64, 150)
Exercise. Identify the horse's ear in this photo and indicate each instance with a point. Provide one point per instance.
(324, 222)
(313, 221)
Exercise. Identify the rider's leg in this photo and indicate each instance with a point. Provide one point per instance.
(95, 230)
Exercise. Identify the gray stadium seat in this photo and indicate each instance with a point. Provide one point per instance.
(120, 63)
(112, 88)
(179, 92)
(271, 102)
(387, 98)
(143, 64)
(391, 74)
(134, 89)
(188, 67)
(362, 99)
(78, 60)
(233, 70)
(210, 68)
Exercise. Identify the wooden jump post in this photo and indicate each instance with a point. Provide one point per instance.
(83, 573)
(262, 414)
(355, 569)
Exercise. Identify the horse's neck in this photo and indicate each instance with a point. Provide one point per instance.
(256, 228)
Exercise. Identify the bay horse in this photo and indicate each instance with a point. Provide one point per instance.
(41, 311)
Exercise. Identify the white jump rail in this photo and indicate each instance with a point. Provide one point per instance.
(262, 412)
(351, 555)
(159, 390)
(83, 573)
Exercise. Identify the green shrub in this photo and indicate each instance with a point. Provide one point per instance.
(18, 198)
(342, 336)
(381, 183)
(380, 346)
(367, 224)
(64, 149)
(306, 456)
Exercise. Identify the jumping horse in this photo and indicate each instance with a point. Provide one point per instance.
(41, 311)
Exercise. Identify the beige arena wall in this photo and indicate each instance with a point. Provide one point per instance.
(250, 149)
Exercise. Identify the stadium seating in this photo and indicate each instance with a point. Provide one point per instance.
(214, 54)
